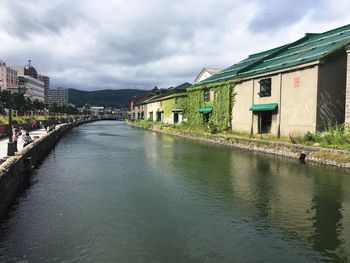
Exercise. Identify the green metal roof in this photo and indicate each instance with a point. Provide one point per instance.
(264, 107)
(205, 110)
(232, 72)
(311, 47)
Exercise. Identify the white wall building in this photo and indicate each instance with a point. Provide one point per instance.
(33, 88)
(97, 111)
(206, 73)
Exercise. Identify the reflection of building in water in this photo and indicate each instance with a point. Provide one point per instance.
(327, 220)
(345, 234)
(312, 209)
(278, 192)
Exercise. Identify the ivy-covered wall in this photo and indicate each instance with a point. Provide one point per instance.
(191, 101)
(179, 101)
(222, 103)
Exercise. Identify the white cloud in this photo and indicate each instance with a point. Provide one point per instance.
(95, 44)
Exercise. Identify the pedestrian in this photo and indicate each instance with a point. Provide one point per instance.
(34, 125)
(27, 139)
(14, 139)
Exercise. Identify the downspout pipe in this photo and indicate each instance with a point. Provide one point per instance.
(252, 123)
(279, 109)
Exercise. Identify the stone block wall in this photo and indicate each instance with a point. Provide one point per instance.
(14, 172)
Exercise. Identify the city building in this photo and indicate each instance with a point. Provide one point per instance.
(27, 75)
(46, 81)
(138, 104)
(27, 70)
(59, 96)
(8, 77)
(97, 111)
(34, 89)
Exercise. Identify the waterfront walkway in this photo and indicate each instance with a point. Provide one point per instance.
(35, 134)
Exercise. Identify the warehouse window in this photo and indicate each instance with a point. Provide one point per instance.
(206, 95)
(265, 88)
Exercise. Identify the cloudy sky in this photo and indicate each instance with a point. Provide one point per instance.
(95, 44)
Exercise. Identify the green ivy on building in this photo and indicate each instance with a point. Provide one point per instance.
(221, 104)
(172, 102)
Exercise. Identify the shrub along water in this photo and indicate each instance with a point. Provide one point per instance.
(335, 136)
(145, 124)
(30, 119)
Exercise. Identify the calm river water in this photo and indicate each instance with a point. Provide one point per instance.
(112, 193)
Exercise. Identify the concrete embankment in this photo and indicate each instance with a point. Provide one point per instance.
(14, 172)
(306, 154)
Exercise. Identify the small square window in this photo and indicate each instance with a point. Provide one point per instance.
(265, 88)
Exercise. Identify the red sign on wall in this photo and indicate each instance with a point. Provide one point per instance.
(296, 82)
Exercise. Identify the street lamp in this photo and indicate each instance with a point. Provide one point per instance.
(8, 100)
(10, 144)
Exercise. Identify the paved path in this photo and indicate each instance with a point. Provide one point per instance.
(34, 134)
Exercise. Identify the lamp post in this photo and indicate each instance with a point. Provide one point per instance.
(6, 98)
(10, 144)
(9, 99)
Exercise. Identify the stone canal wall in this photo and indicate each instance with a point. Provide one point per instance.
(306, 154)
(15, 171)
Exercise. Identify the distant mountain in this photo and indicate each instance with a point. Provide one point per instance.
(108, 98)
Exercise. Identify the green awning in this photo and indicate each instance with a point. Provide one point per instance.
(264, 107)
(205, 110)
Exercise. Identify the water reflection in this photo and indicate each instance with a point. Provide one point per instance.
(115, 193)
(327, 219)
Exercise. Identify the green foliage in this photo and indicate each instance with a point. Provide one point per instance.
(220, 119)
(175, 102)
(222, 103)
(145, 124)
(30, 119)
(63, 109)
(334, 136)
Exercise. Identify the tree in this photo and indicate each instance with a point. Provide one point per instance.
(3, 101)
(28, 106)
(19, 103)
(53, 108)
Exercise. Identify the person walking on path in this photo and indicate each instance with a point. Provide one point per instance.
(34, 125)
(14, 139)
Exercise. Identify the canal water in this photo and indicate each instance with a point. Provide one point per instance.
(112, 193)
